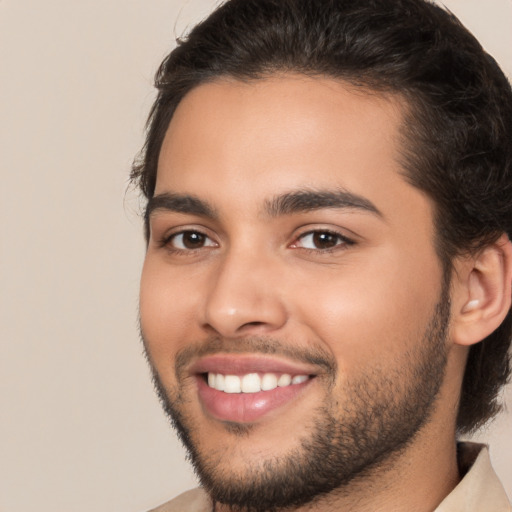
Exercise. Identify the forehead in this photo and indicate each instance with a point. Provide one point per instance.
(232, 140)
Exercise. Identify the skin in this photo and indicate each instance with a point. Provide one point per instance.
(235, 146)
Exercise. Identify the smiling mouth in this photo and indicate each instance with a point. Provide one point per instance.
(249, 397)
(253, 382)
(245, 388)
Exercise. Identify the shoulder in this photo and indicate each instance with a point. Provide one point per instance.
(195, 500)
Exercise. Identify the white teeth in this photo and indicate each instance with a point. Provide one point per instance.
(219, 382)
(252, 382)
(268, 382)
(216, 381)
(284, 380)
(232, 384)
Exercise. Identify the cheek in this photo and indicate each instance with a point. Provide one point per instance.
(165, 311)
(372, 312)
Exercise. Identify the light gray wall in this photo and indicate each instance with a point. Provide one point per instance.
(80, 428)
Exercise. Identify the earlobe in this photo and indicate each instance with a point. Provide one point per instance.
(482, 293)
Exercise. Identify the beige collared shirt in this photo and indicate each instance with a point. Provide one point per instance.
(478, 491)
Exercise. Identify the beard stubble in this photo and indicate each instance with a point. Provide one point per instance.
(378, 417)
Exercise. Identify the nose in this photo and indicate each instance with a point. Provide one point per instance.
(245, 297)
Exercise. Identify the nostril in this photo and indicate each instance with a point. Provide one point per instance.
(252, 326)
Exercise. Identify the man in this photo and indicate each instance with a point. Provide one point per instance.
(325, 301)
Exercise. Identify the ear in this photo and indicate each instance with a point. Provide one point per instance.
(481, 292)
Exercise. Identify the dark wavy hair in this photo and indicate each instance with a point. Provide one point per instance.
(456, 136)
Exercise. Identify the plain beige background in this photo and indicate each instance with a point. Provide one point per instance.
(80, 427)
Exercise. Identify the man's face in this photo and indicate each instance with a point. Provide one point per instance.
(292, 303)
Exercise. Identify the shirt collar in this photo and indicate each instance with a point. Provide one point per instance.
(479, 488)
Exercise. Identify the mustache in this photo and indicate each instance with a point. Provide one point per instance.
(314, 355)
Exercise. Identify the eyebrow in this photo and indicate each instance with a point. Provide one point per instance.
(285, 204)
(179, 203)
(308, 200)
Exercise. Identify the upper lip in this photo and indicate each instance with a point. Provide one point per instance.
(241, 364)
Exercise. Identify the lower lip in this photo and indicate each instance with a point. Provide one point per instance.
(246, 407)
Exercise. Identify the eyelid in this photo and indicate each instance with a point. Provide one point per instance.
(344, 240)
(176, 236)
(164, 241)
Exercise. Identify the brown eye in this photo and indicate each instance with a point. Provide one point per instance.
(189, 240)
(322, 240)
(325, 240)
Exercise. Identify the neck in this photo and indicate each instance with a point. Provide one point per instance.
(417, 479)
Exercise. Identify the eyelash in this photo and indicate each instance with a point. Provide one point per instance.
(342, 242)
(166, 242)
